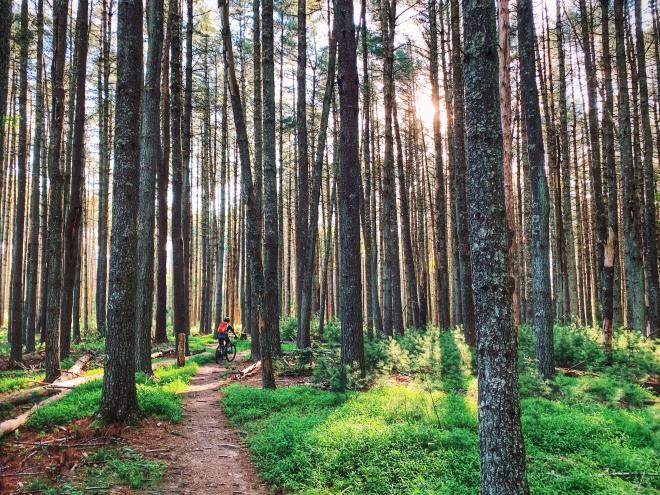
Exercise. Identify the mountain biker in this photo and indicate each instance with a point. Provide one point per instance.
(223, 332)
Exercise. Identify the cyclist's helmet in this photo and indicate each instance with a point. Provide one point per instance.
(227, 320)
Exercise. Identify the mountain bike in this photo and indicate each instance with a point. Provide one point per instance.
(225, 351)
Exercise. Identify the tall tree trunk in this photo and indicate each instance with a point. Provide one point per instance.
(224, 182)
(119, 397)
(150, 159)
(610, 294)
(412, 303)
(312, 223)
(253, 322)
(650, 229)
(75, 204)
(54, 276)
(393, 312)
(633, 265)
(501, 443)
(459, 186)
(302, 210)
(352, 339)
(540, 212)
(597, 191)
(178, 260)
(104, 169)
(37, 160)
(367, 205)
(6, 18)
(163, 182)
(270, 317)
(571, 304)
(504, 57)
(253, 244)
(441, 268)
(186, 145)
(16, 295)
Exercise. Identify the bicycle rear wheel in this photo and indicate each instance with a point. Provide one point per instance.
(218, 355)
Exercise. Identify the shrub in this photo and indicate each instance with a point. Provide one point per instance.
(288, 328)
(398, 439)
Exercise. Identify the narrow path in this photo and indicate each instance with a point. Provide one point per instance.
(204, 452)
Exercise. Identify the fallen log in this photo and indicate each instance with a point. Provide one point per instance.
(164, 352)
(11, 425)
(76, 369)
(27, 395)
(170, 352)
(249, 371)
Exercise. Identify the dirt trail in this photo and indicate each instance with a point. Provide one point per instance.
(204, 452)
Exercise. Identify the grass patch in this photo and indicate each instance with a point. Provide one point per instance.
(156, 397)
(591, 434)
(10, 381)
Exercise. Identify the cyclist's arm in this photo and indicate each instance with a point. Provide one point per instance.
(232, 330)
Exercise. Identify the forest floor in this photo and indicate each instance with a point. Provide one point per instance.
(199, 452)
(203, 452)
(410, 426)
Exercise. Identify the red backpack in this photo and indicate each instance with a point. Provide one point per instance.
(222, 328)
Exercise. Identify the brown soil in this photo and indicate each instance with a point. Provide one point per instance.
(204, 453)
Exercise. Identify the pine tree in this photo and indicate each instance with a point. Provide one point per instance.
(499, 415)
(150, 158)
(119, 397)
(352, 339)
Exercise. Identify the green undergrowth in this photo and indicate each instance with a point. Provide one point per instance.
(158, 396)
(13, 380)
(101, 471)
(595, 433)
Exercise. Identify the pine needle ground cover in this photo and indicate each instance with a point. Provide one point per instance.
(596, 433)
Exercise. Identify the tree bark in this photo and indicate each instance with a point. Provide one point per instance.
(302, 210)
(75, 204)
(459, 185)
(162, 186)
(650, 229)
(501, 443)
(610, 295)
(119, 396)
(504, 57)
(392, 310)
(178, 260)
(54, 276)
(104, 170)
(312, 232)
(150, 159)
(270, 319)
(570, 279)
(352, 339)
(412, 303)
(16, 294)
(441, 268)
(257, 117)
(253, 244)
(540, 211)
(37, 160)
(633, 265)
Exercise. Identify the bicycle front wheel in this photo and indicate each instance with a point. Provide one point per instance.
(231, 352)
